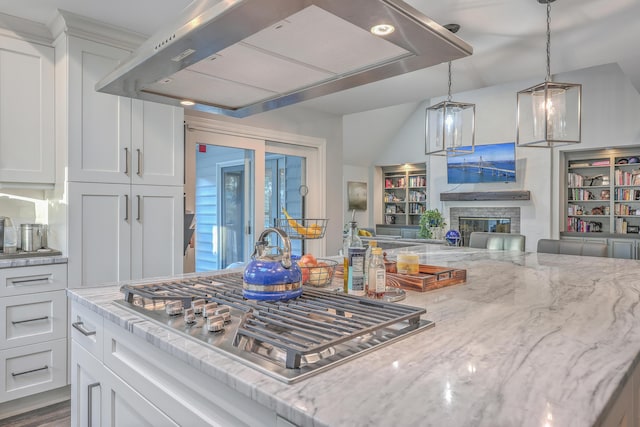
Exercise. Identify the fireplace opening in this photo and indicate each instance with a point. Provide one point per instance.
(491, 225)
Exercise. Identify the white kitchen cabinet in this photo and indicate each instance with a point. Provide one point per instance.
(99, 125)
(156, 231)
(86, 387)
(100, 398)
(157, 144)
(33, 369)
(33, 318)
(114, 139)
(32, 279)
(33, 333)
(99, 233)
(121, 231)
(26, 112)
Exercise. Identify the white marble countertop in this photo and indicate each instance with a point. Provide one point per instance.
(43, 259)
(530, 340)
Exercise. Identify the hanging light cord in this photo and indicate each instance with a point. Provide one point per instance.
(449, 90)
(548, 79)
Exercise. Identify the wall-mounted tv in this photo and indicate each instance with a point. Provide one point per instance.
(488, 163)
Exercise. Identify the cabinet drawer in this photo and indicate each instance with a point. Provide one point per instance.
(87, 329)
(32, 369)
(29, 319)
(33, 279)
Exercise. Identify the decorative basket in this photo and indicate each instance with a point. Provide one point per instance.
(319, 275)
(305, 228)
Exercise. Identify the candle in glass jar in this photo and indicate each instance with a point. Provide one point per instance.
(408, 263)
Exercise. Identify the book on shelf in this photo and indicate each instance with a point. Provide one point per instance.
(600, 163)
(621, 226)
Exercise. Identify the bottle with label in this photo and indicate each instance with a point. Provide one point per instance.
(367, 258)
(351, 241)
(377, 276)
(357, 267)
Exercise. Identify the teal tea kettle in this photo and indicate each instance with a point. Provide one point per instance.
(272, 276)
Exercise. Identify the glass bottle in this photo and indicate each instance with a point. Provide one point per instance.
(377, 274)
(350, 241)
(367, 258)
(10, 237)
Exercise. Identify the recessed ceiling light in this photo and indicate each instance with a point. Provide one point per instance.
(382, 29)
(187, 103)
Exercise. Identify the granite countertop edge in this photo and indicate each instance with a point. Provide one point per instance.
(33, 261)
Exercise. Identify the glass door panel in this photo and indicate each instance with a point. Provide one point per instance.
(223, 206)
(284, 180)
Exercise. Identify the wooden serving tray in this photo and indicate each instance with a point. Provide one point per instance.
(429, 277)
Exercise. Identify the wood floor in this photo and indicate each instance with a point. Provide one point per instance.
(58, 415)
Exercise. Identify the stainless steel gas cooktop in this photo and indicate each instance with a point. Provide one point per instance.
(289, 340)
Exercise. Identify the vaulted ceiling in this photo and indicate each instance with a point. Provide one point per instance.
(508, 37)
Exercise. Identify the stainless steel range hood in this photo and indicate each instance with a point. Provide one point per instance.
(242, 57)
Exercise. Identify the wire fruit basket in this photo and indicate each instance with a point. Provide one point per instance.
(306, 228)
(320, 274)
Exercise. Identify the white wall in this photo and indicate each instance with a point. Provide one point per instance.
(611, 112)
(358, 174)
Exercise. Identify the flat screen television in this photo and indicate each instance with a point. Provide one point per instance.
(488, 163)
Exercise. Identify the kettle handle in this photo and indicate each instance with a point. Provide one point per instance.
(286, 252)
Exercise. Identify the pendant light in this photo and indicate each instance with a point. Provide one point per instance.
(450, 125)
(549, 113)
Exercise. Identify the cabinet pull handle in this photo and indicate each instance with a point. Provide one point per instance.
(16, 374)
(126, 161)
(36, 280)
(139, 162)
(126, 207)
(138, 217)
(84, 331)
(90, 388)
(16, 322)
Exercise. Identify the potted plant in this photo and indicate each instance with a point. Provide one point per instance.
(430, 221)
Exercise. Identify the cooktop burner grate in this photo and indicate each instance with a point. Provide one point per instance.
(289, 338)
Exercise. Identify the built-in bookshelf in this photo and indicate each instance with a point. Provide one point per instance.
(405, 193)
(603, 191)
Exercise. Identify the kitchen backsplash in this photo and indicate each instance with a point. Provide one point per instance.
(23, 206)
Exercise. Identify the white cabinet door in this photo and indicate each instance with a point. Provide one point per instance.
(157, 144)
(99, 124)
(125, 407)
(86, 387)
(99, 233)
(26, 112)
(157, 230)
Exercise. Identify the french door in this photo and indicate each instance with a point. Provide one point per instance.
(222, 174)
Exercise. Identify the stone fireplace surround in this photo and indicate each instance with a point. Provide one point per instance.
(455, 213)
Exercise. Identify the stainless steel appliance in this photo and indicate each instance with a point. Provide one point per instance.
(242, 57)
(31, 237)
(289, 340)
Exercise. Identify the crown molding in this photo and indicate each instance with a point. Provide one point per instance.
(91, 29)
(23, 29)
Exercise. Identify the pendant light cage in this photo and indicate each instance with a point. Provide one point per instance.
(450, 127)
(549, 113)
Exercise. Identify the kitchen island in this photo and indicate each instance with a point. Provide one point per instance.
(530, 340)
